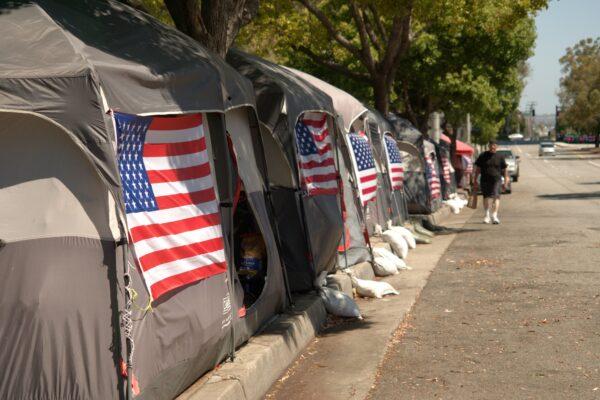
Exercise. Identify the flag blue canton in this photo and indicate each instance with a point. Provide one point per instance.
(393, 151)
(306, 142)
(131, 136)
(362, 152)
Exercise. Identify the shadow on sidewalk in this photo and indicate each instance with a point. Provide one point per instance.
(335, 326)
(570, 196)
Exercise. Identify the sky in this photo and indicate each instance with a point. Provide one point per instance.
(562, 25)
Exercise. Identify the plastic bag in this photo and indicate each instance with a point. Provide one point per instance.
(339, 304)
(380, 252)
(407, 235)
(397, 241)
(384, 267)
(253, 251)
(375, 289)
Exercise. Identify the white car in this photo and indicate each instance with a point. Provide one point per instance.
(547, 149)
(512, 162)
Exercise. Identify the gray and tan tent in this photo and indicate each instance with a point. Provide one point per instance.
(68, 71)
(310, 225)
(417, 188)
(448, 177)
(392, 201)
(359, 221)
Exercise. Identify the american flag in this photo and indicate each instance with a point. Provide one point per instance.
(316, 163)
(433, 179)
(364, 165)
(394, 160)
(468, 164)
(446, 170)
(170, 202)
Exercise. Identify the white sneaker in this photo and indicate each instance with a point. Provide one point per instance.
(487, 219)
(496, 221)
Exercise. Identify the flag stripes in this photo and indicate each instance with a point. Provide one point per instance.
(316, 165)
(172, 210)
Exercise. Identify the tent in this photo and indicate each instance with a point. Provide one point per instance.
(69, 279)
(311, 230)
(423, 187)
(461, 147)
(359, 221)
(392, 200)
(447, 172)
(463, 152)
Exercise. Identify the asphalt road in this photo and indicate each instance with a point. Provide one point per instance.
(512, 311)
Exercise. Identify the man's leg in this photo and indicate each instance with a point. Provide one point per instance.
(486, 207)
(496, 204)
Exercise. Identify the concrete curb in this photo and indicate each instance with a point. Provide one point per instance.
(350, 375)
(265, 357)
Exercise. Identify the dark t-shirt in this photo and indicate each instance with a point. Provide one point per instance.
(492, 165)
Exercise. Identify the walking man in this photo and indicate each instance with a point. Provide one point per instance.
(491, 166)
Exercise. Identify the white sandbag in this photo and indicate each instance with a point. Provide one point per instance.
(407, 235)
(378, 229)
(453, 207)
(339, 304)
(384, 267)
(375, 289)
(382, 252)
(397, 241)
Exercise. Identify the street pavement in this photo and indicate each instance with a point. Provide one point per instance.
(510, 311)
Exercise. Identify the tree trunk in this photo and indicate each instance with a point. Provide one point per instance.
(381, 91)
(213, 23)
(597, 141)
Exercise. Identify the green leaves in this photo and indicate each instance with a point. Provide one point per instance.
(580, 86)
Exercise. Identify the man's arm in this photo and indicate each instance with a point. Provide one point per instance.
(505, 173)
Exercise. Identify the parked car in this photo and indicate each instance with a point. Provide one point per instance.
(547, 149)
(515, 136)
(512, 160)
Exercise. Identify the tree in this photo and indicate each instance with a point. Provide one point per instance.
(213, 23)
(357, 44)
(580, 87)
(439, 50)
(465, 61)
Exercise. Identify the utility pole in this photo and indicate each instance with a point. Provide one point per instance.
(467, 137)
(436, 128)
(530, 116)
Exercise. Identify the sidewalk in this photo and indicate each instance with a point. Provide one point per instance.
(341, 363)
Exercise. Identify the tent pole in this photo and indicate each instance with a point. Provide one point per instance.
(361, 212)
(341, 194)
(267, 182)
(300, 203)
(127, 319)
(227, 204)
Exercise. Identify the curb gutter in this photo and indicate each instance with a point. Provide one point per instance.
(261, 362)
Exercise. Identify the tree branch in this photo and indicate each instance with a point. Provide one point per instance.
(372, 34)
(331, 30)
(378, 23)
(364, 38)
(326, 62)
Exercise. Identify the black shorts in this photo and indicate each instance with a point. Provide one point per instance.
(491, 188)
